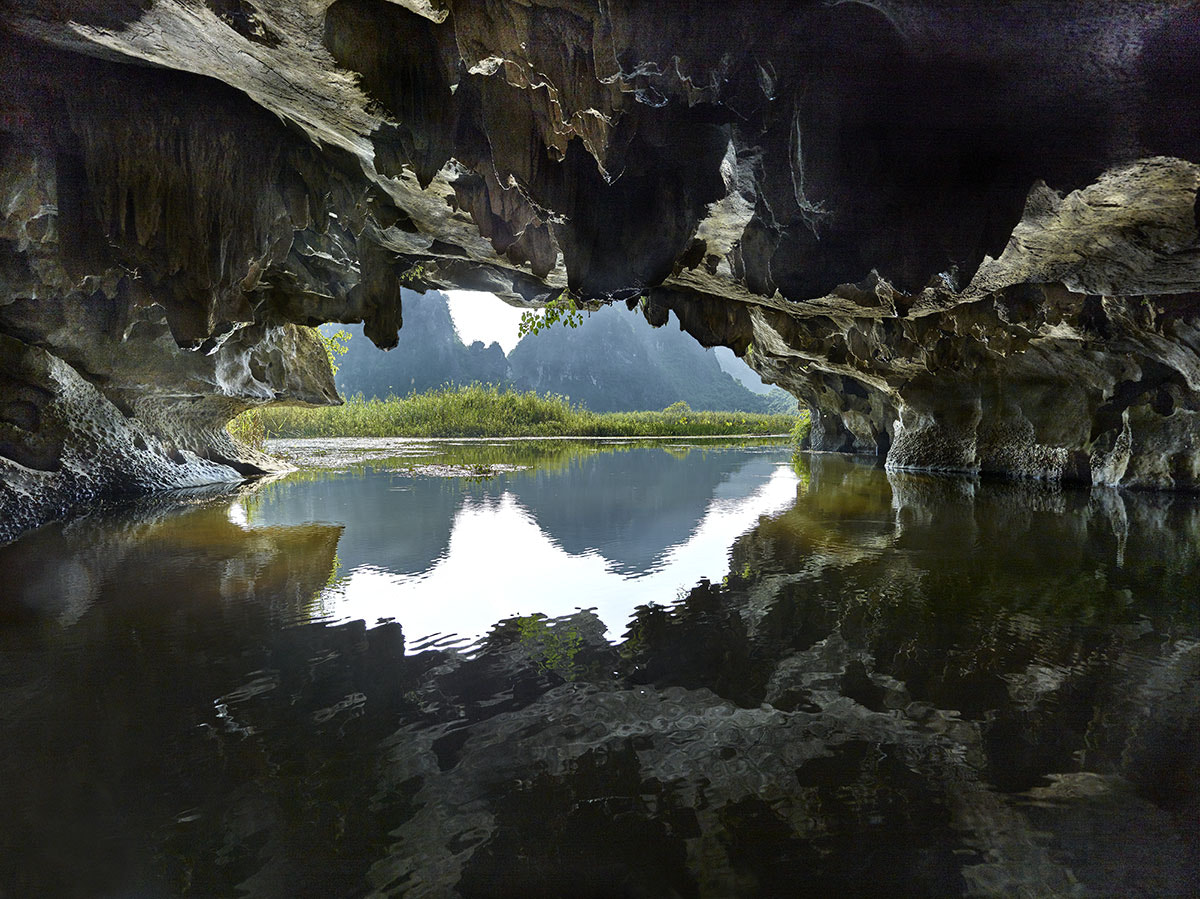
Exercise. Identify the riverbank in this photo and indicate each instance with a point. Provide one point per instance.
(488, 411)
(486, 456)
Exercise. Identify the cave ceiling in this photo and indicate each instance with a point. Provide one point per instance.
(963, 233)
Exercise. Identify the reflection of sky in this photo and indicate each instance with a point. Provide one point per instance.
(500, 563)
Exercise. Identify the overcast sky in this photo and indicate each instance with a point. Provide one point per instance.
(481, 316)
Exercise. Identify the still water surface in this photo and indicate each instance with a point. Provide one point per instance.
(571, 528)
(515, 670)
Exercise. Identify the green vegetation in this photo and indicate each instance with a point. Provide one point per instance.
(413, 276)
(800, 429)
(488, 411)
(799, 440)
(336, 345)
(613, 361)
(561, 309)
(247, 430)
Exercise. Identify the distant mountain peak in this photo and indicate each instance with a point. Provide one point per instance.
(614, 361)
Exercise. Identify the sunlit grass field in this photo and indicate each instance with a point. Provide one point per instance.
(489, 411)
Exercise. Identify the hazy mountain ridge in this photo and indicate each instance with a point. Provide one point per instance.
(613, 362)
(429, 354)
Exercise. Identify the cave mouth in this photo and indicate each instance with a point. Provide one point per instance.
(965, 236)
(604, 360)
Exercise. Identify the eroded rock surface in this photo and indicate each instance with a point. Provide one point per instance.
(965, 235)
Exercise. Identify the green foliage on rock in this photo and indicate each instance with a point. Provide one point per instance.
(561, 309)
(336, 345)
(801, 429)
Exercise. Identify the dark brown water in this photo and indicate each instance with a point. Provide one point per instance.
(637, 672)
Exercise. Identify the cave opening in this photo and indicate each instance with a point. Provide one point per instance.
(820, 520)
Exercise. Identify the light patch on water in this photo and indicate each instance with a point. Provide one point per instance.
(500, 564)
(237, 515)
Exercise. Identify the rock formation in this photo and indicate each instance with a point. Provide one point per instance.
(963, 233)
(615, 362)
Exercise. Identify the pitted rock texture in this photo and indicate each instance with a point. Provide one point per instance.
(964, 233)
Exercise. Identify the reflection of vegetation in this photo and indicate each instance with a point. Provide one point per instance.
(801, 468)
(553, 645)
(471, 458)
(487, 411)
(334, 571)
(553, 648)
(481, 460)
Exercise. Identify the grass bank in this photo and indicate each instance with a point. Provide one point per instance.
(488, 411)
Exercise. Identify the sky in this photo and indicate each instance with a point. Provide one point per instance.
(482, 316)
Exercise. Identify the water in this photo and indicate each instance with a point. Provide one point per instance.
(519, 670)
(570, 529)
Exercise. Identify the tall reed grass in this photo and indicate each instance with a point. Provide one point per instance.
(481, 410)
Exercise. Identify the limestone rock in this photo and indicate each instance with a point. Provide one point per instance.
(965, 236)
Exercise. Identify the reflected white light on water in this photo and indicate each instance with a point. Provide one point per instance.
(237, 516)
(500, 564)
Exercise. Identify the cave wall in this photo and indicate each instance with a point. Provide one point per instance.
(963, 233)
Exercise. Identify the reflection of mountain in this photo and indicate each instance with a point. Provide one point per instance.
(393, 521)
(909, 686)
(632, 506)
